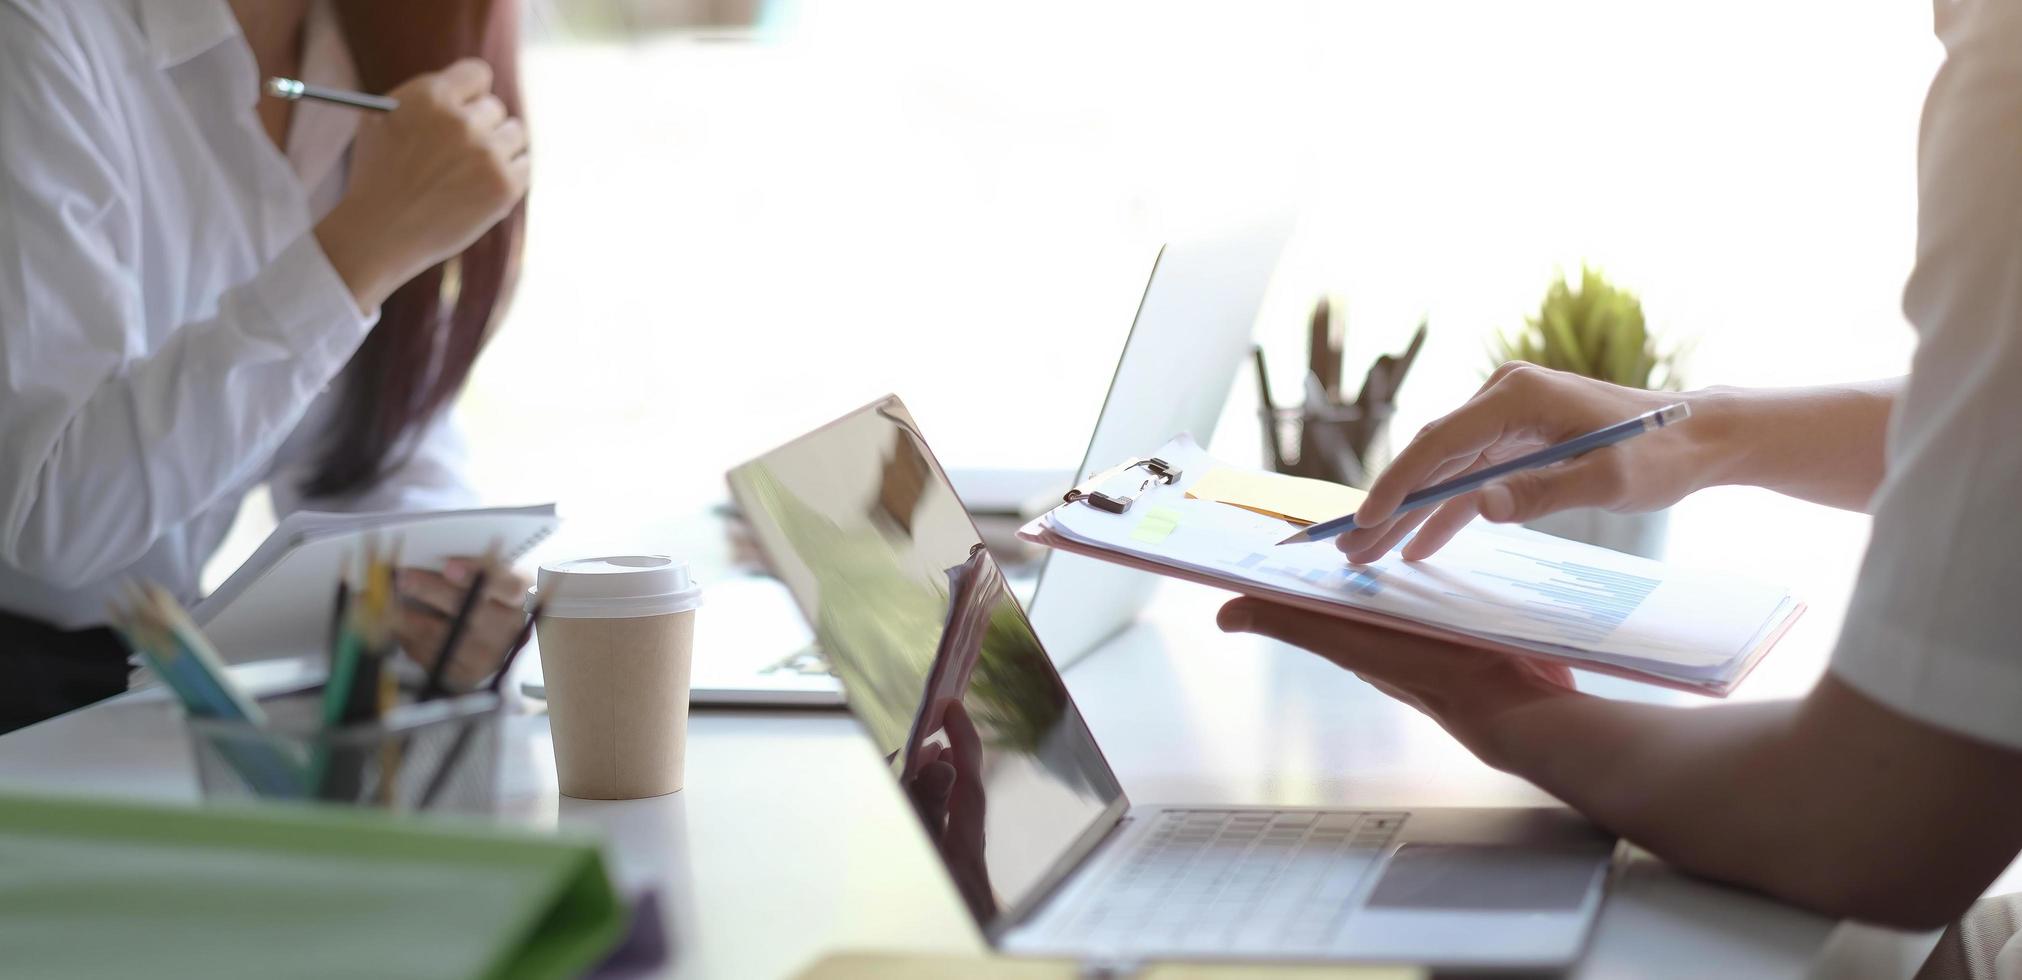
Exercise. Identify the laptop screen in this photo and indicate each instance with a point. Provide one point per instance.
(1202, 298)
(935, 654)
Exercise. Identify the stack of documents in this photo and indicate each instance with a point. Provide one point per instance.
(1494, 587)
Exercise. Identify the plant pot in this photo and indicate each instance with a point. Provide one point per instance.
(1635, 534)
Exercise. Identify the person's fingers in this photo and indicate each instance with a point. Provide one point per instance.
(1506, 403)
(460, 570)
(509, 588)
(963, 742)
(431, 590)
(938, 780)
(370, 127)
(1365, 540)
(420, 633)
(1554, 673)
(443, 593)
(509, 140)
(511, 585)
(501, 585)
(484, 114)
(1392, 691)
(1348, 644)
(508, 604)
(935, 781)
(1362, 539)
(464, 80)
(930, 791)
(1456, 437)
(484, 643)
(430, 602)
(1594, 480)
(965, 753)
(1397, 530)
(1440, 528)
(1460, 435)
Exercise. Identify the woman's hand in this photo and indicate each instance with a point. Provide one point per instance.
(1471, 693)
(429, 603)
(426, 180)
(1524, 408)
(948, 793)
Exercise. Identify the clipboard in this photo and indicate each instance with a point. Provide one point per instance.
(1122, 490)
(1113, 490)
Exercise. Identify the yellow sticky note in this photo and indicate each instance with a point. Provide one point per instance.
(1298, 499)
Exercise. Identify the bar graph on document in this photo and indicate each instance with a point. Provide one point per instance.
(1501, 582)
(1365, 580)
(1587, 602)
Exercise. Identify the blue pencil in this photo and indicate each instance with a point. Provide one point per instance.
(1580, 445)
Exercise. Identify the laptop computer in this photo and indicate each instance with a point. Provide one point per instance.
(1191, 334)
(942, 667)
(1201, 297)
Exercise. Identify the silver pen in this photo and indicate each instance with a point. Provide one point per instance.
(295, 90)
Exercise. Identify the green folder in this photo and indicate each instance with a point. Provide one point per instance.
(95, 889)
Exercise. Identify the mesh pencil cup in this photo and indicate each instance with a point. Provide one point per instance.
(439, 755)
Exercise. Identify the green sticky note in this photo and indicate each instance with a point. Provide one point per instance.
(1158, 524)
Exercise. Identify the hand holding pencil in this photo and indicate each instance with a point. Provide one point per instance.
(428, 177)
(1524, 408)
(483, 595)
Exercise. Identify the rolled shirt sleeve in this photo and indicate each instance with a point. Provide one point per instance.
(103, 447)
(1935, 629)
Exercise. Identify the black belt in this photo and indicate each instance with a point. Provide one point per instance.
(45, 671)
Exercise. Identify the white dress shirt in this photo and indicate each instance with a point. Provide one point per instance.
(1935, 629)
(171, 334)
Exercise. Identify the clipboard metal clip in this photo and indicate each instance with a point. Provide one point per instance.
(1115, 489)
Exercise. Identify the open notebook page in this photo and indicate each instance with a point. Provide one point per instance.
(278, 603)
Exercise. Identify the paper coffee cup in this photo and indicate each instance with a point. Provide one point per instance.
(617, 639)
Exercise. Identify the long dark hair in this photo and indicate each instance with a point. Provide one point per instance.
(430, 330)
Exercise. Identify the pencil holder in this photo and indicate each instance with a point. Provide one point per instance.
(1340, 443)
(439, 755)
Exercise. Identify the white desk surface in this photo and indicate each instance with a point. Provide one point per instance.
(790, 839)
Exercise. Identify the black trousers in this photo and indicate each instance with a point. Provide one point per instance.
(45, 671)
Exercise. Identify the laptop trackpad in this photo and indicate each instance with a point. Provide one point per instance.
(1477, 877)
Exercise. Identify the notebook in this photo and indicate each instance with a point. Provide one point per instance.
(1494, 587)
(278, 603)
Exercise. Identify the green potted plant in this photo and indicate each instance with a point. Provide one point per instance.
(1597, 329)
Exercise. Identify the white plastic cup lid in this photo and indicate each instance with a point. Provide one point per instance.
(616, 587)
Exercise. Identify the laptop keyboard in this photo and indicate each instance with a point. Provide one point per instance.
(1235, 879)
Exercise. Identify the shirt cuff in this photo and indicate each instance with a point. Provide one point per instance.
(1965, 692)
(307, 305)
